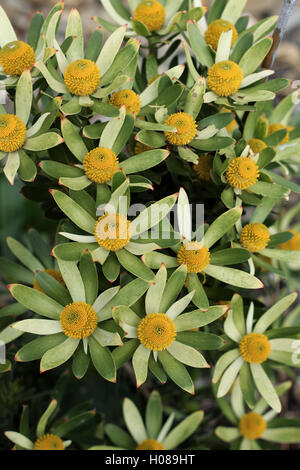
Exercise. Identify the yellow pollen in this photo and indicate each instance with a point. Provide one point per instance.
(292, 243)
(204, 166)
(100, 164)
(151, 13)
(215, 29)
(113, 231)
(156, 331)
(16, 57)
(186, 128)
(252, 425)
(255, 237)
(195, 255)
(127, 98)
(257, 145)
(12, 133)
(242, 173)
(53, 273)
(255, 348)
(278, 127)
(49, 442)
(150, 444)
(141, 148)
(225, 78)
(82, 77)
(78, 320)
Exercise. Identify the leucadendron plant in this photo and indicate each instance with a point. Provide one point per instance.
(119, 136)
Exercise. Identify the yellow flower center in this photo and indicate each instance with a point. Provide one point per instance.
(100, 164)
(204, 166)
(225, 78)
(278, 127)
(156, 331)
(141, 148)
(113, 231)
(215, 29)
(150, 444)
(195, 255)
(151, 13)
(82, 77)
(16, 57)
(292, 243)
(252, 425)
(257, 145)
(255, 237)
(78, 320)
(12, 133)
(242, 173)
(127, 98)
(49, 442)
(186, 128)
(255, 348)
(53, 273)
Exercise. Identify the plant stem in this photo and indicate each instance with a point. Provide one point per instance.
(279, 32)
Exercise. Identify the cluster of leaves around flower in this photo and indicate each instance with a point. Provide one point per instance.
(94, 124)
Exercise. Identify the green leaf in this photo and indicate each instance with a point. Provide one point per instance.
(154, 415)
(229, 256)
(38, 347)
(134, 265)
(270, 190)
(23, 98)
(233, 10)
(72, 251)
(144, 161)
(119, 437)
(19, 439)
(41, 426)
(74, 211)
(265, 387)
(247, 385)
(7, 33)
(80, 362)
(24, 255)
(89, 277)
(43, 142)
(212, 144)
(140, 361)
(59, 354)
(69, 425)
(199, 318)
(36, 301)
(234, 277)
(73, 139)
(27, 169)
(110, 49)
(254, 56)
(124, 353)
(134, 421)
(183, 430)
(273, 313)
(173, 288)
(199, 46)
(200, 298)
(289, 435)
(176, 371)
(74, 29)
(221, 226)
(187, 355)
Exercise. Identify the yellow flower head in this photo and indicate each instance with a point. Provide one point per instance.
(150, 444)
(49, 442)
(53, 273)
(141, 148)
(215, 29)
(82, 77)
(204, 166)
(186, 128)
(100, 164)
(257, 145)
(113, 231)
(242, 173)
(255, 237)
(255, 348)
(278, 127)
(252, 425)
(12, 133)
(156, 331)
(127, 98)
(195, 255)
(151, 13)
(225, 78)
(16, 57)
(78, 320)
(292, 243)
